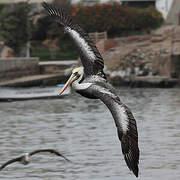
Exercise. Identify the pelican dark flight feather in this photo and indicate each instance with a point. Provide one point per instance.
(25, 159)
(90, 81)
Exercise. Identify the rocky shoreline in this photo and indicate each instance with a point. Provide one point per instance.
(53, 73)
(135, 61)
(145, 82)
(145, 61)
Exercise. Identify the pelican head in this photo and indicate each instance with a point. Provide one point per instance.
(79, 71)
(76, 76)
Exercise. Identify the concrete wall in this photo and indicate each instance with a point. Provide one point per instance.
(173, 15)
(53, 67)
(162, 65)
(176, 66)
(11, 68)
(164, 7)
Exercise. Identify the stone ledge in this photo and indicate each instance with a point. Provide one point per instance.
(11, 68)
(145, 81)
(36, 80)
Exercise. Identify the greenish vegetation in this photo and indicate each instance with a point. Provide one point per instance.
(16, 30)
(46, 56)
(66, 51)
(1, 7)
(13, 26)
(115, 19)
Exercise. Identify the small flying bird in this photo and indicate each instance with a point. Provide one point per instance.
(90, 81)
(25, 159)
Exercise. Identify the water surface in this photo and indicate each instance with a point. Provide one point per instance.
(85, 132)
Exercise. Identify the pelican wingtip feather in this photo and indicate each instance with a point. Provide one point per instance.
(132, 162)
(61, 17)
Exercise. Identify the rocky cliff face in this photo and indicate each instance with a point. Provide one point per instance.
(144, 56)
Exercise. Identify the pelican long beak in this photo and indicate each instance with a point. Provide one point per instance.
(72, 77)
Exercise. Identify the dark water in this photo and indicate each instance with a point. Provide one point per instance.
(86, 134)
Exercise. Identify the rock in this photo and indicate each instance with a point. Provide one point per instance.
(5, 51)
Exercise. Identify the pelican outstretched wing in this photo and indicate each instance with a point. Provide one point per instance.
(50, 151)
(91, 58)
(10, 162)
(125, 123)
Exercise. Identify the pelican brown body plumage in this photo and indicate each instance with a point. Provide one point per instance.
(90, 81)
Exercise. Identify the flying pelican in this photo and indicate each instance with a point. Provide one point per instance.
(90, 81)
(25, 159)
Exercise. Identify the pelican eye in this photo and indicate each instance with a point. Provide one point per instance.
(77, 75)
